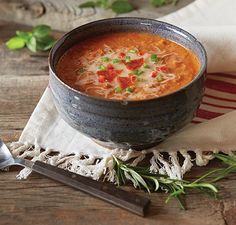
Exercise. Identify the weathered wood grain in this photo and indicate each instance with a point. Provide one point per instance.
(41, 201)
(65, 14)
(45, 199)
(23, 78)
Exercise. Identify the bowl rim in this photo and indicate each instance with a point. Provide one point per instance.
(60, 42)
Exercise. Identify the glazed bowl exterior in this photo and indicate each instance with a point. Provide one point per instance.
(127, 124)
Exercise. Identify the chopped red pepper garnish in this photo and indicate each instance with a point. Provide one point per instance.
(133, 78)
(154, 74)
(127, 81)
(134, 64)
(163, 69)
(122, 55)
(124, 82)
(101, 78)
(141, 53)
(109, 74)
(110, 67)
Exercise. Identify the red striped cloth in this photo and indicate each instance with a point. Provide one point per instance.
(219, 97)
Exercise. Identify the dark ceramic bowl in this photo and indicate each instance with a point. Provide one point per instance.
(127, 124)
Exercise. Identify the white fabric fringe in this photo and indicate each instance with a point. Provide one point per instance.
(94, 167)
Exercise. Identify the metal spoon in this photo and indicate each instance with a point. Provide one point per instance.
(105, 191)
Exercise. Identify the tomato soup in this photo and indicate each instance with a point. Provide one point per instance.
(127, 66)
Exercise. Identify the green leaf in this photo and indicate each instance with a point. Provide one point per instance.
(120, 7)
(45, 43)
(156, 182)
(146, 66)
(227, 159)
(127, 59)
(158, 3)
(88, 4)
(32, 44)
(24, 35)
(137, 177)
(118, 90)
(137, 72)
(203, 185)
(159, 77)
(15, 43)
(115, 61)
(41, 31)
(154, 58)
(129, 89)
(103, 3)
(142, 177)
(105, 59)
(101, 67)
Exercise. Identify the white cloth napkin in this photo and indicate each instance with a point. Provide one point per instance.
(213, 22)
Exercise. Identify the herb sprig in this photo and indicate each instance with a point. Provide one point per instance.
(159, 3)
(117, 6)
(39, 39)
(121, 6)
(142, 178)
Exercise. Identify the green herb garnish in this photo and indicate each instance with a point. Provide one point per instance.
(129, 89)
(142, 178)
(115, 61)
(159, 3)
(127, 59)
(15, 43)
(118, 90)
(41, 31)
(159, 77)
(121, 6)
(138, 72)
(101, 67)
(133, 50)
(105, 59)
(39, 39)
(117, 6)
(154, 58)
(81, 70)
(146, 66)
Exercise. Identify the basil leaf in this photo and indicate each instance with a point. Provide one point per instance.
(41, 31)
(158, 3)
(44, 44)
(102, 3)
(15, 43)
(87, 4)
(121, 6)
(24, 35)
(32, 44)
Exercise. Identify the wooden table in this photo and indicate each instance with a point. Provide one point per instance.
(38, 200)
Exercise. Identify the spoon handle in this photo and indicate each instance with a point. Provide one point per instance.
(104, 191)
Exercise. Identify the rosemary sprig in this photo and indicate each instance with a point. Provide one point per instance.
(230, 161)
(142, 178)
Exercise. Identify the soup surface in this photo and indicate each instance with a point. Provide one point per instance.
(127, 66)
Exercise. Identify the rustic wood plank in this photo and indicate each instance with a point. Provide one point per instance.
(39, 200)
(51, 12)
(23, 78)
(63, 205)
